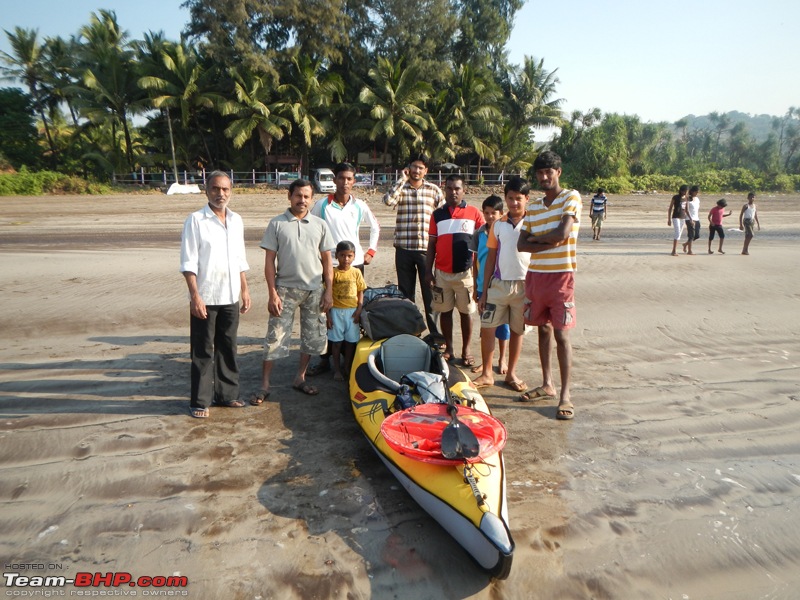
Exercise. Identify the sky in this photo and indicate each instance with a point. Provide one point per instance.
(659, 59)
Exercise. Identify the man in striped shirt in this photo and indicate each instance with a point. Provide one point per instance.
(415, 199)
(550, 233)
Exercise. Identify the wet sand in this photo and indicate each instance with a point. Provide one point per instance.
(678, 478)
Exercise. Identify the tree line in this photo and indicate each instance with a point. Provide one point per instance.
(325, 80)
(621, 153)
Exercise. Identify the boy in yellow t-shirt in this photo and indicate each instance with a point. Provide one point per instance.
(343, 317)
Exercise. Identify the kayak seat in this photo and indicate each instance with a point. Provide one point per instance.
(403, 354)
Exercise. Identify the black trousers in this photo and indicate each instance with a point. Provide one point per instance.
(410, 266)
(215, 372)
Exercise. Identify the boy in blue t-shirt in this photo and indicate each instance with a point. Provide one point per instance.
(492, 210)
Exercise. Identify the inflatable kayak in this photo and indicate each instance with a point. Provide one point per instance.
(464, 490)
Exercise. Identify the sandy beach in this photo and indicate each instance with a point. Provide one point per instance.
(678, 479)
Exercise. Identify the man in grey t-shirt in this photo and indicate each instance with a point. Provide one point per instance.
(298, 261)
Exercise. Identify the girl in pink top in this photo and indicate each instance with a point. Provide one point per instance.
(715, 216)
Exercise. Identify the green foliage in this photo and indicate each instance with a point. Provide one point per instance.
(783, 183)
(709, 180)
(742, 180)
(657, 182)
(324, 80)
(26, 183)
(613, 185)
(17, 130)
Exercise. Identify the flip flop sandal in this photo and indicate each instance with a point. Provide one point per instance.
(537, 393)
(231, 404)
(565, 412)
(319, 368)
(200, 413)
(260, 398)
(517, 386)
(306, 389)
(481, 385)
(467, 360)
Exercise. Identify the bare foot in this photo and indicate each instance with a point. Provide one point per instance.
(711, 252)
(502, 367)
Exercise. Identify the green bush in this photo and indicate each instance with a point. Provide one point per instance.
(782, 183)
(612, 185)
(26, 183)
(740, 180)
(657, 182)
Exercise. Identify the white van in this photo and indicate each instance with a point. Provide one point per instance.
(323, 181)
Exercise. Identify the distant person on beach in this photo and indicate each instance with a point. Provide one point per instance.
(415, 200)
(448, 265)
(503, 300)
(715, 216)
(345, 215)
(599, 212)
(343, 317)
(299, 273)
(692, 219)
(213, 263)
(748, 217)
(676, 216)
(550, 233)
(492, 209)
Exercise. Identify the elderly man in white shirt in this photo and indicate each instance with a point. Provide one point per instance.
(214, 264)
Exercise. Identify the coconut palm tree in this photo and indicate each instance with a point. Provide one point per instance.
(108, 92)
(514, 152)
(255, 110)
(59, 71)
(397, 99)
(26, 64)
(307, 100)
(439, 138)
(177, 80)
(349, 124)
(530, 95)
(473, 112)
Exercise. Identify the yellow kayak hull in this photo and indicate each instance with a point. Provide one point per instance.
(470, 505)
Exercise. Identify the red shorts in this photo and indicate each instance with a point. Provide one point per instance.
(552, 299)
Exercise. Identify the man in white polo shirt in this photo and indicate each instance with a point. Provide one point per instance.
(345, 215)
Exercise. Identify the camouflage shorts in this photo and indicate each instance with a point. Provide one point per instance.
(313, 329)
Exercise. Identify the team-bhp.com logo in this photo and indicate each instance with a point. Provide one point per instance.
(94, 584)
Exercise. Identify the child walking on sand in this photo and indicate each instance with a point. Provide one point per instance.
(715, 216)
(343, 317)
